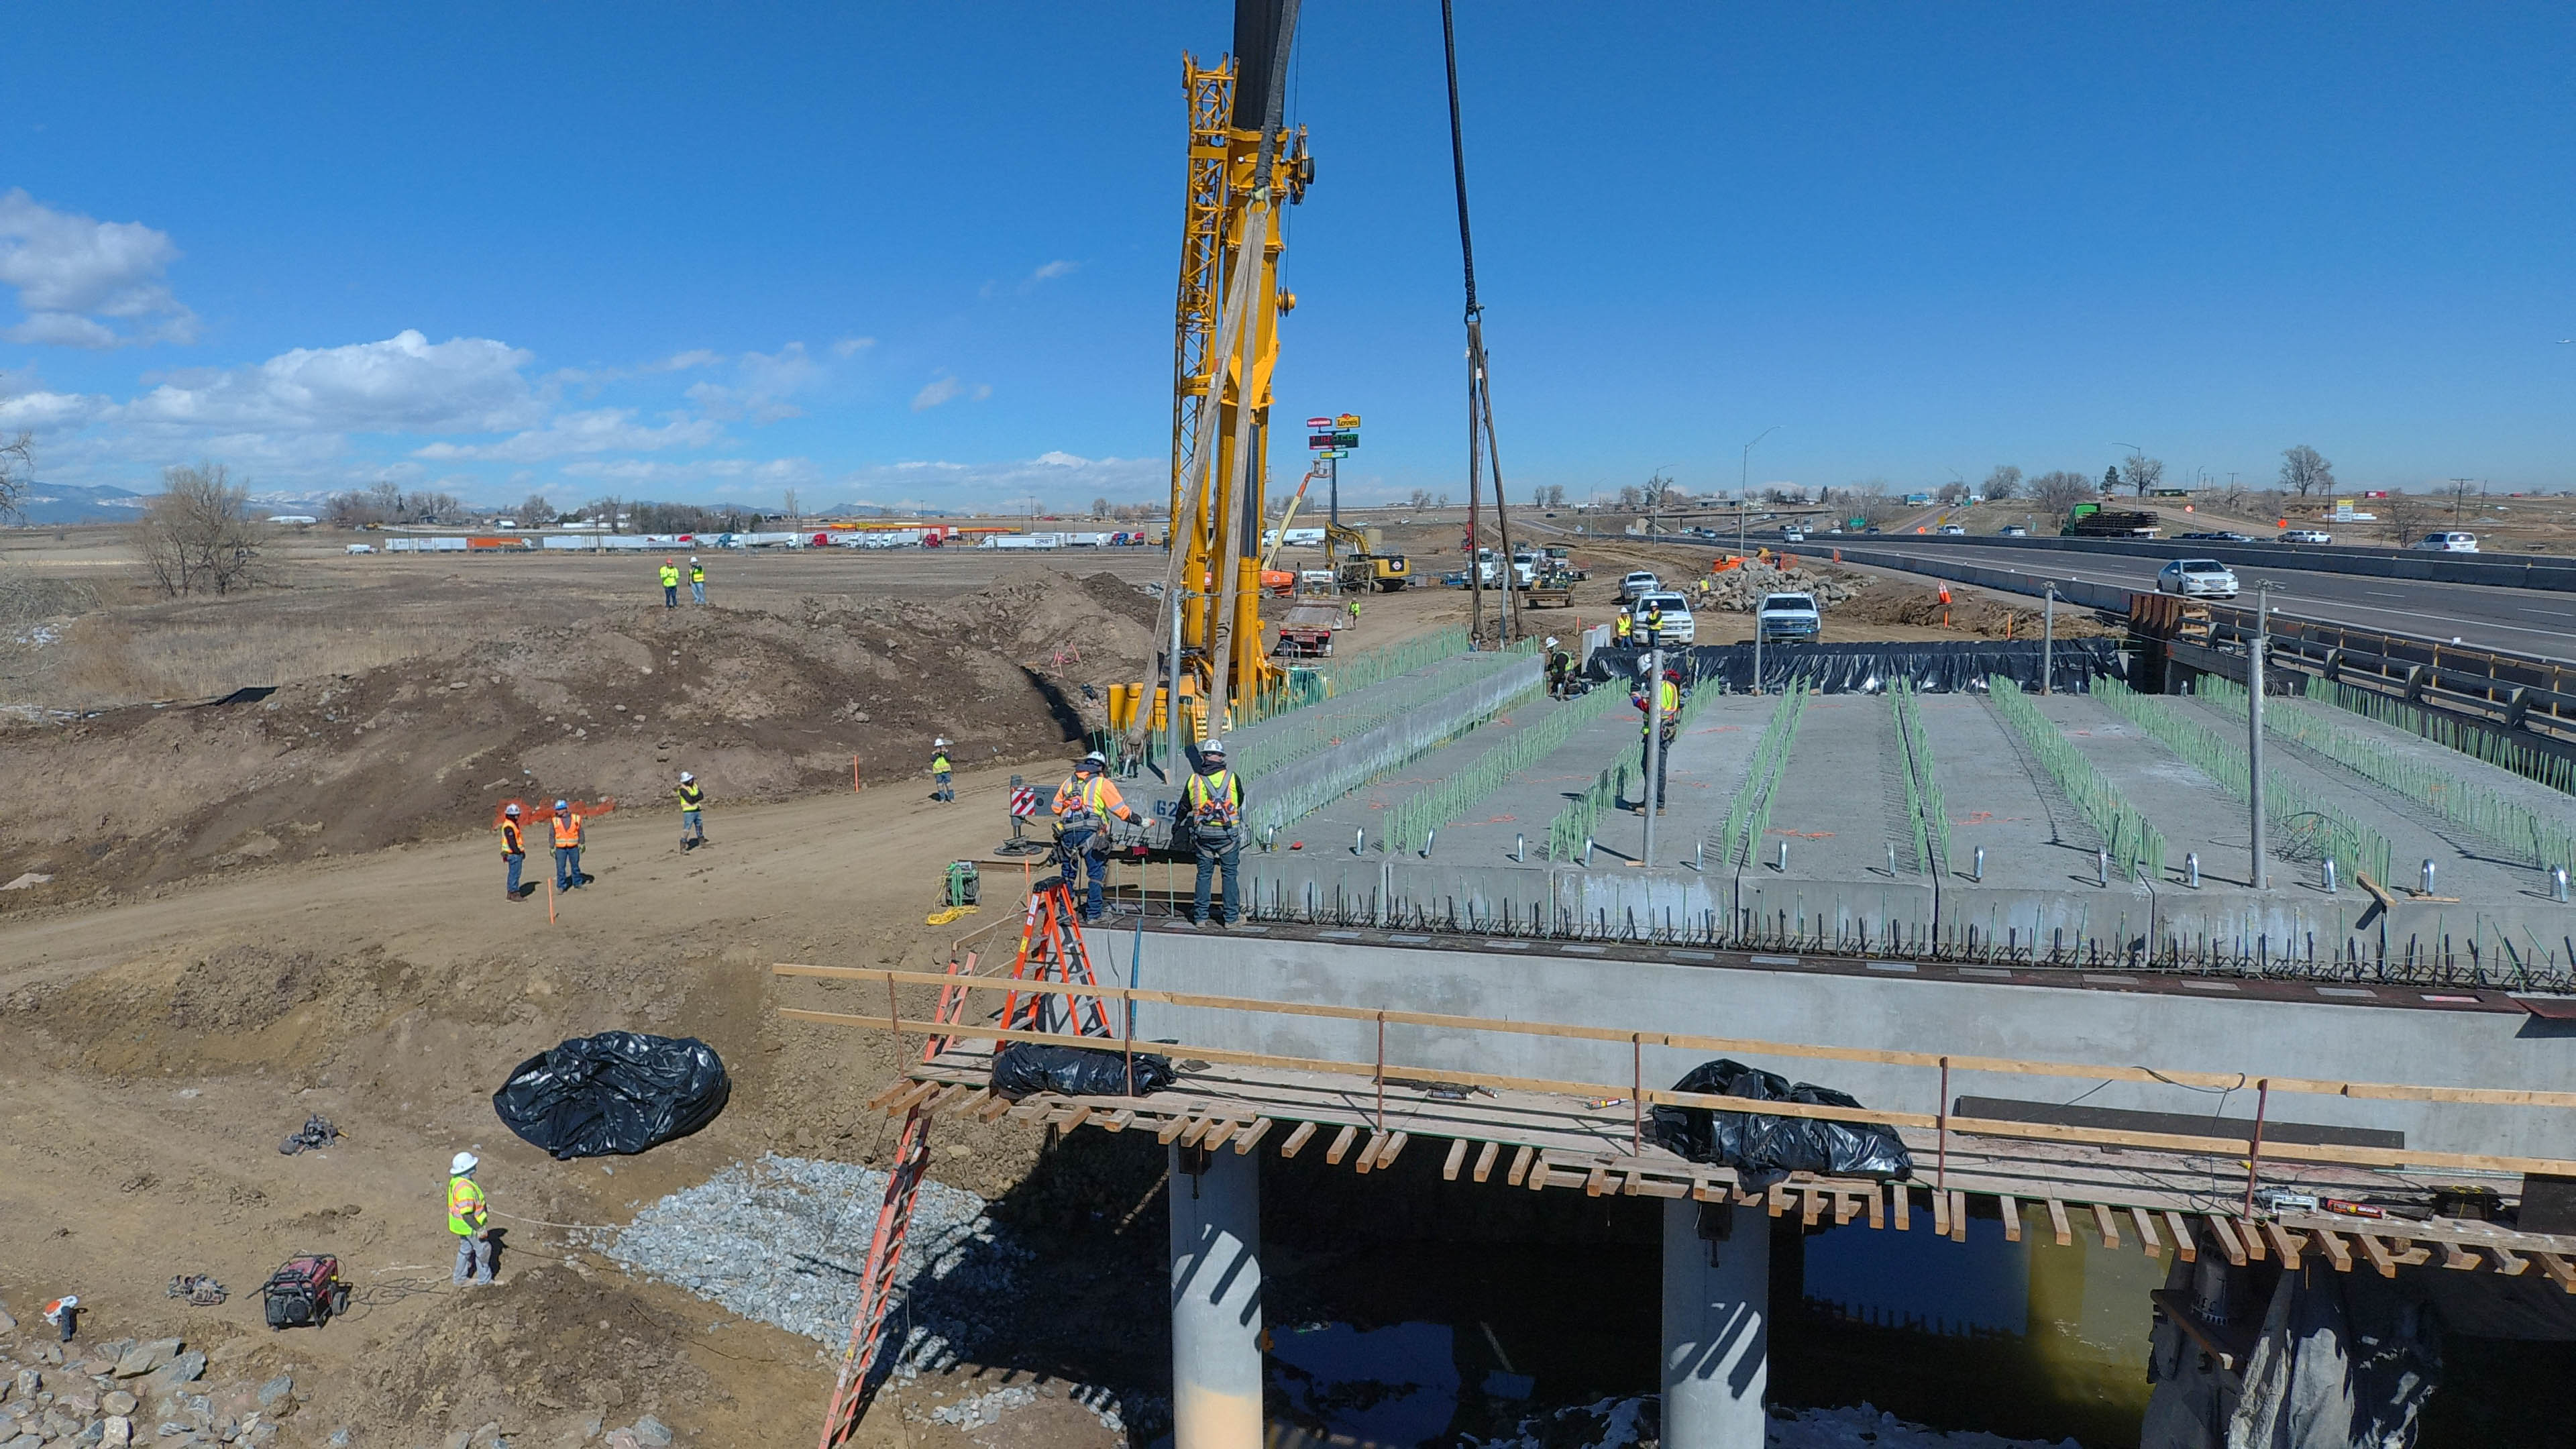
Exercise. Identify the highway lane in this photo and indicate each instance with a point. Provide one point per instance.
(2520, 621)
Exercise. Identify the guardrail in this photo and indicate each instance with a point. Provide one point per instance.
(2510, 571)
(2513, 692)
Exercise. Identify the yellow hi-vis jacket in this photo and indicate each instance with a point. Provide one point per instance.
(939, 763)
(1620, 629)
(1215, 798)
(693, 795)
(1672, 700)
(465, 1210)
(670, 577)
(697, 573)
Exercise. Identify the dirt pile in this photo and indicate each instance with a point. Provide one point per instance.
(1971, 613)
(758, 704)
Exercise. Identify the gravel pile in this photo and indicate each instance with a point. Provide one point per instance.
(785, 1239)
(1740, 588)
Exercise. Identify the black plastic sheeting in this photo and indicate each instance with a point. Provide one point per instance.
(1766, 1148)
(1866, 668)
(1024, 1067)
(617, 1092)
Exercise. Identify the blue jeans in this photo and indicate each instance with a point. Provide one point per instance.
(670, 596)
(1078, 844)
(473, 1258)
(567, 867)
(698, 590)
(692, 823)
(1217, 851)
(515, 861)
(941, 789)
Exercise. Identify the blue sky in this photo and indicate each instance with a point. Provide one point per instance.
(927, 253)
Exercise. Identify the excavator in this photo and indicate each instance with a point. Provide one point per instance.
(1361, 562)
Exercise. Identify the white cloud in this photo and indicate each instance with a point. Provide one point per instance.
(41, 411)
(938, 390)
(1053, 270)
(601, 430)
(404, 384)
(763, 379)
(1056, 476)
(730, 475)
(852, 346)
(71, 270)
(683, 361)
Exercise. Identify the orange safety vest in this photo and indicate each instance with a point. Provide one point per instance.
(1079, 801)
(512, 843)
(567, 831)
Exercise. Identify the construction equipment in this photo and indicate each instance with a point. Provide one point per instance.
(2092, 520)
(1360, 560)
(1244, 164)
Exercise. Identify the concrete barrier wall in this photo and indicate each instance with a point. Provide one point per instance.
(2513, 571)
(1891, 1011)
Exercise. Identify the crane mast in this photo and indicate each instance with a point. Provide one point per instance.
(1243, 166)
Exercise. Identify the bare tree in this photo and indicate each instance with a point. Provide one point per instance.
(2061, 490)
(2144, 474)
(538, 511)
(1549, 496)
(2304, 469)
(2003, 483)
(2410, 516)
(198, 534)
(1952, 493)
(17, 470)
(1100, 508)
(1421, 498)
(1655, 490)
(1631, 498)
(792, 514)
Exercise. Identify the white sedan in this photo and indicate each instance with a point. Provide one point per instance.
(2197, 578)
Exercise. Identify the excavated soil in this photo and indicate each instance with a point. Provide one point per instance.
(759, 703)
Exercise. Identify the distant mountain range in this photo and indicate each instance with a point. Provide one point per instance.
(51, 503)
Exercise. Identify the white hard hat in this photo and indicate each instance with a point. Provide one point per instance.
(1095, 758)
(510, 809)
(693, 558)
(686, 777)
(1212, 747)
(462, 1163)
(938, 742)
(1551, 641)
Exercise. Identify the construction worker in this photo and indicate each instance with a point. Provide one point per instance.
(1083, 806)
(568, 874)
(670, 584)
(942, 774)
(1355, 611)
(697, 580)
(1670, 687)
(1214, 798)
(1560, 670)
(514, 849)
(469, 1218)
(693, 802)
(1649, 627)
(1621, 627)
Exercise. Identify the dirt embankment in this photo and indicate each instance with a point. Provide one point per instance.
(759, 704)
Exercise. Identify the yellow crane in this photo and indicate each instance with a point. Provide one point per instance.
(1244, 166)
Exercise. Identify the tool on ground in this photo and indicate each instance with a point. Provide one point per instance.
(316, 1134)
(200, 1289)
(305, 1292)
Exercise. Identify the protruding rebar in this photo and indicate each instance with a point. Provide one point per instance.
(2331, 887)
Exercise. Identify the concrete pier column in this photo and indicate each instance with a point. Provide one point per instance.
(1216, 1300)
(1717, 1321)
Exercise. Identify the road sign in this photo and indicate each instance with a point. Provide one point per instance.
(1346, 420)
(1330, 453)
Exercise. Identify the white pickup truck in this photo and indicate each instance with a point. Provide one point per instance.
(1789, 616)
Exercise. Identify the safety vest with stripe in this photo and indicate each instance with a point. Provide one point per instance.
(1083, 802)
(567, 831)
(465, 1210)
(1621, 628)
(1672, 702)
(697, 573)
(512, 842)
(1216, 799)
(692, 795)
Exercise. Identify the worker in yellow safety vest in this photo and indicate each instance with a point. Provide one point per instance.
(670, 584)
(1670, 688)
(1214, 799)
(514, 849)
(1619, 628)
(943, 775)
(697, 580)
(1084, 806)
(568, 874)
(693, 804)
(1648, 630)
(469, 1218)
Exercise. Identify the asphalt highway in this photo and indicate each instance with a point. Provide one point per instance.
(2520, 621)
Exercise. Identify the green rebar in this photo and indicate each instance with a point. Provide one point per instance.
(2223, 759)
(2468, 737)
(2138, 846)
(1748, 814)
(1413, 821)
(1923, 800)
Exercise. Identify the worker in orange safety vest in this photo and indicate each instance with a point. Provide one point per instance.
(514, 849)
(1084, 804)
(568, 874)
